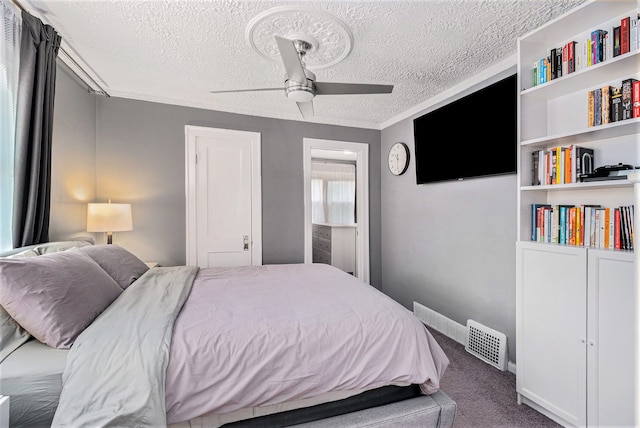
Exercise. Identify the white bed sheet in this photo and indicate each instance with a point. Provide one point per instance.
(32, 377)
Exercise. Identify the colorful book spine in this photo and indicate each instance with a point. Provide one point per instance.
(627, 85)
(616, 231)
(606, 104)
(597, 107)
(635, 98)
(624, 35)
(590, 109)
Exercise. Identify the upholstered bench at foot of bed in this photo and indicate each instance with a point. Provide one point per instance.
(433, 411)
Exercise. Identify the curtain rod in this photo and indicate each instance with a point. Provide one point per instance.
(70, 62)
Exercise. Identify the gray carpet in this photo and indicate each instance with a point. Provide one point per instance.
(486, 396)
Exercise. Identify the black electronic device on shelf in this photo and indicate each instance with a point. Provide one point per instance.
(609, 172)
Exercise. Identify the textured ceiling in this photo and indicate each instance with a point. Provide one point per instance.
(176, 51)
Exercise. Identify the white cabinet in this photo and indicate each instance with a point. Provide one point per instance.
(610, 340)
(335, 244)
(576, 306)
(575, 333)
(551, 299)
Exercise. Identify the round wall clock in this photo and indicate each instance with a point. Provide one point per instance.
(398, 158)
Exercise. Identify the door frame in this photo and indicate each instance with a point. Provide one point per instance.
(362, 199)
(191, 135)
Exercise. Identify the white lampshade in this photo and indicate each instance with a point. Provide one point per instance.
(108, 217)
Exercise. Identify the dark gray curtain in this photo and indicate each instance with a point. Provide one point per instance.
(36, 89)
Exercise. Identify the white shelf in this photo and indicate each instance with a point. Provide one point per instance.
(565, 367)
(622, 128)
(611, 184)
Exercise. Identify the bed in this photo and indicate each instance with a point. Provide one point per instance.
(93, 337)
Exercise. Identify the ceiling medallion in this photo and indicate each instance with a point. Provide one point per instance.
(330, 38)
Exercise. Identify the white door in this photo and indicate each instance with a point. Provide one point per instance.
(223, 197)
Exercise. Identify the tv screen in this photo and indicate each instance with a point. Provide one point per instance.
(474, 136)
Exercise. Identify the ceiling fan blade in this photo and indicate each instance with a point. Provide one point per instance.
(246, 90)
(333, 88)
(291, 60)
(306, 109)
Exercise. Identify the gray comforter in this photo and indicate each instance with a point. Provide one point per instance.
(134, 332)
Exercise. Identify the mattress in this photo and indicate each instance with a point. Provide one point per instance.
(32, 377)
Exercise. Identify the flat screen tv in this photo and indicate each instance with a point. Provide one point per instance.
(473, 136)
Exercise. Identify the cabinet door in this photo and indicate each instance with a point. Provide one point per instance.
(551, 302)
(611, 335)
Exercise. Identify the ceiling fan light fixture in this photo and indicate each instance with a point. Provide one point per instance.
(300, 95)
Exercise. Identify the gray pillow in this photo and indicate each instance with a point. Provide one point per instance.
(52, 247)
(123, 266)
(55, 296)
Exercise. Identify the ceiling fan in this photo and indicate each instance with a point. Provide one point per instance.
(300, 84)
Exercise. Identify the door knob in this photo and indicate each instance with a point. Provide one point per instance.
(245, 241)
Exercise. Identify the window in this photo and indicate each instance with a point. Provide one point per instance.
(10, 29)
(333, 192)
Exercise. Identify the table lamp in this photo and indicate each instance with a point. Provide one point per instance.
(109, 218)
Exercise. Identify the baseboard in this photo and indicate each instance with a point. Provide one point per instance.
(446, 326)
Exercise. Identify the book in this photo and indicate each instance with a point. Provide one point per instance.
(616, 104)
(612, 222)
(535, 227)
(535, 165)
(571, 56)
(571, 224)
(616, 230)
(597, 106)
(635, 99)
(555, 223)
(624, 242)
(626, 98)
(599, 228)
(578, 226)
(606, 104)
(624, 35)
(633, 34)
(602, 42)
(586, 216)
(594, 227)
(590, 109)
(563, 224)
(606, 225)
(594, 47)
(630, 239)
(566, 152)
(616, 41)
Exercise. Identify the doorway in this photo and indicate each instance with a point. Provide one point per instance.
(360, 152)
(223, 200)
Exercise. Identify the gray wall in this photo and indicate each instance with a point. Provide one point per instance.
(450, 246)
(140, 159)
(73, 159)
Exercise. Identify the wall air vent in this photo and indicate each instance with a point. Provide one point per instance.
(487, 344)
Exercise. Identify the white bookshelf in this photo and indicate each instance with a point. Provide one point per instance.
(567, 296)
